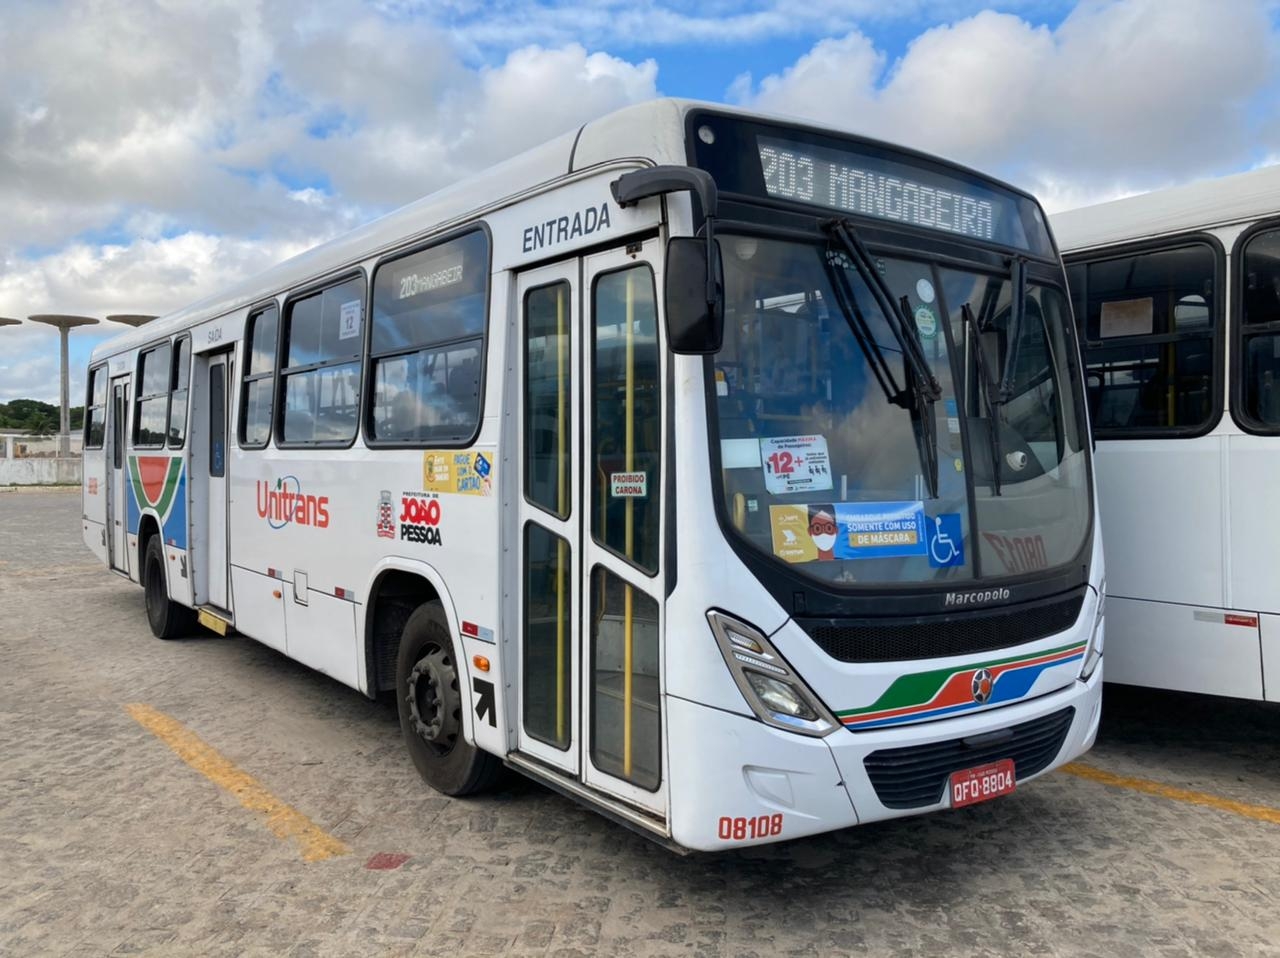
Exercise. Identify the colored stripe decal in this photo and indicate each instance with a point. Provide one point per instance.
(951, 690)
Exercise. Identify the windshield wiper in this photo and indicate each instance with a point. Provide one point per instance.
(898, 318)
(1013, 332)
(922, 389)
(972, 336)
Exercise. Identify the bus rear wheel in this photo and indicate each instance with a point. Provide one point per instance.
(168, 619)
(429, 698)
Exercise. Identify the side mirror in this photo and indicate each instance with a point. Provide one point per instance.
(695, 317)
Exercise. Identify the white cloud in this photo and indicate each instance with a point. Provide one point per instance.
(151, 153)
(625, 24)
(1124, 95)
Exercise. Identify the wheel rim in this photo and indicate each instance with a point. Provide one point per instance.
(434, 703)
(155, 592)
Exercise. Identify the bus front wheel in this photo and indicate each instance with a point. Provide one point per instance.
(429, 698)
(168, 619)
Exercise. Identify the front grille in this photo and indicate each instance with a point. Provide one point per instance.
(916, 776)
(937, 636)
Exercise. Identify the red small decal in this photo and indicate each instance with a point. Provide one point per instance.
(340, 592)
(386, 861)
(1251, 621)
(470, 628)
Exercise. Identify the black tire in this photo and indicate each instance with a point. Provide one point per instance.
(168, 619)
(429, 699)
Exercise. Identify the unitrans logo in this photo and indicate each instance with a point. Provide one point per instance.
(284, 502)
(974, 598)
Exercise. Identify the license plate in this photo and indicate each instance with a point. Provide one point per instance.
(972, 785)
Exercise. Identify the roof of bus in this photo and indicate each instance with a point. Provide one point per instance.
(1195, 206)
(651, 131)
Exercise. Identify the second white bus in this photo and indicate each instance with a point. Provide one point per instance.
(1177, 294)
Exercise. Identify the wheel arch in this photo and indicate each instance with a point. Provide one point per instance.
(148, 528)
(397, 587)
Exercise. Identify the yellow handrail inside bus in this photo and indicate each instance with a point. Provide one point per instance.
(629, 526)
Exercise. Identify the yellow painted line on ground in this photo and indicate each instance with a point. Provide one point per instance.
(1261, 813)
(284, 820)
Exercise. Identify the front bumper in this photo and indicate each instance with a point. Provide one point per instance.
(746, 783)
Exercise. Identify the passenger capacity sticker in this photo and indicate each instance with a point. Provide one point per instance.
(795, 464)
(457, 473)
(848, 530)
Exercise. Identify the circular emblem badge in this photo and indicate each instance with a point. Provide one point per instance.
(982, 683)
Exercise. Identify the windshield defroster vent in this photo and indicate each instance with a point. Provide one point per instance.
(938, 636)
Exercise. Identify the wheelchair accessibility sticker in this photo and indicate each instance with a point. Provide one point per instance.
(946, 540)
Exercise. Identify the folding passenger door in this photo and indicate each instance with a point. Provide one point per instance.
(590, 416)
(549, 342)
(118, 475)
(622, 482)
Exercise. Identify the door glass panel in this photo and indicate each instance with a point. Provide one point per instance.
(547, 413)
(217, 420)
(626, 423)
(548, 637)
(625, 721)
(117, 430)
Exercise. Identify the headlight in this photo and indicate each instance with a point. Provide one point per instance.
(775, 693)
(1093, 651)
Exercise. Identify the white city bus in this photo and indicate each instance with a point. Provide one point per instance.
(725, 474)
(1177, 294)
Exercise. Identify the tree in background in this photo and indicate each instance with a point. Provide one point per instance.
(36, 418)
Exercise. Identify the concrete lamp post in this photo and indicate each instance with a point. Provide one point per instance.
(5, 446)
(130, 319)
(64, 326)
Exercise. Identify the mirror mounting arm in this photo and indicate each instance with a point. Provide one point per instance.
(651, 181)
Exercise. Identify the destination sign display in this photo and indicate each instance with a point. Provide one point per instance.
(847, 181)
(425, 274)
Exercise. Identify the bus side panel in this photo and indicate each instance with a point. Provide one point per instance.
(1271, 657)
(1156, 547)
(94, 497)
(1180, 647)
(259, 606)
(1255, 523)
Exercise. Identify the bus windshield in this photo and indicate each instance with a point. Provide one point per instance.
(855, 480)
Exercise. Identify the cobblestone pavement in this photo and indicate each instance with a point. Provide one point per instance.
(110, 844)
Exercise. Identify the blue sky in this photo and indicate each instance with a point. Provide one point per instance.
(197, 142)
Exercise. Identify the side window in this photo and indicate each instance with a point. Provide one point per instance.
(151, 407)
(1147, 325)
(427, 343)
(178, 382)
(259, 378)
(1258, 366)
(626, 418)
(95, 423)
(320, 371)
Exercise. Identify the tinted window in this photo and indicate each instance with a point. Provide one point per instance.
(427, 343)
(1259, 364)
(259, 382)
(1148, 324)
(178, 394)
(96, 421)
(320, 383)
(151, 409)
